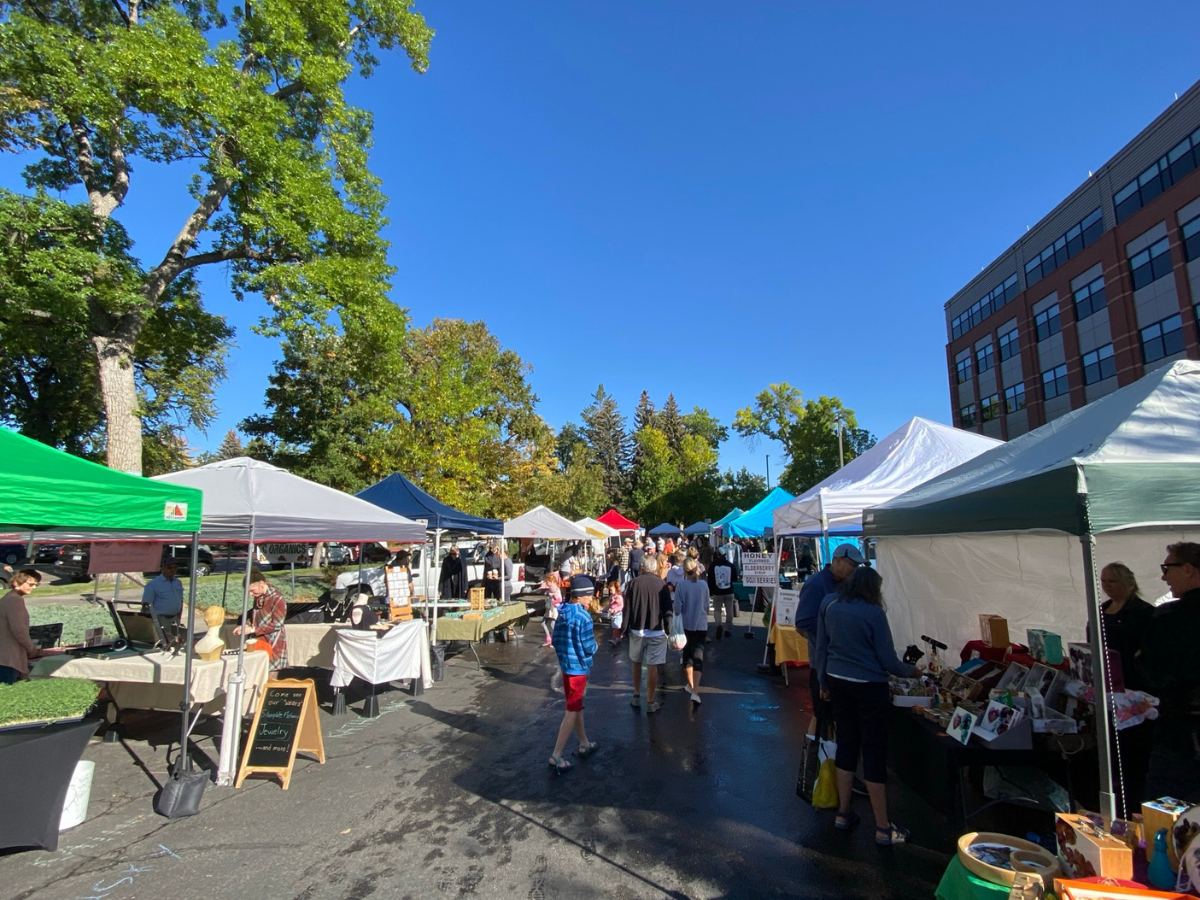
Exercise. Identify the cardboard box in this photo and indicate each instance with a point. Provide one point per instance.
(994, 630)
(1162, 813)
(1045, 646)
(1086, 849)
(1068, 889)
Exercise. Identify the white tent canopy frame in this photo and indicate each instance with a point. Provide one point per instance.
(543, 523)
(1123, 469)
(249, 501)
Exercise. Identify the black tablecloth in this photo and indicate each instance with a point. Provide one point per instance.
(36, 765)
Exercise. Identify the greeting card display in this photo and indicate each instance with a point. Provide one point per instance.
(961, 724)
(1045, 646)
(996, 720)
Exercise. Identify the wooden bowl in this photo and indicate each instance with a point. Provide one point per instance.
(1027, 857)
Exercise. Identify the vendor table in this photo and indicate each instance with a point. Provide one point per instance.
(959, 884)
(458, 628)
(308, 645)
(790, 646)
(933, 763)
(154, 679)
(381, 657)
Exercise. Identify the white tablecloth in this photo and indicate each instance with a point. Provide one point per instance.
(402, 652)
(307, 645)
(155, 680)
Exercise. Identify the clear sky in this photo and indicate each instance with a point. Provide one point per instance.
(705, 198)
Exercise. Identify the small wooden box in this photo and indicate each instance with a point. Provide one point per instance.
(1086, 851)
(1162, 813)
(993, 629)
(476, 596)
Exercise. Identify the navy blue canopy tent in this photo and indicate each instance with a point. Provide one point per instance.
(664, 528)
(698, 528)
(399, 495)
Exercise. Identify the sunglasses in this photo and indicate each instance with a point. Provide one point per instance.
(1166, 566)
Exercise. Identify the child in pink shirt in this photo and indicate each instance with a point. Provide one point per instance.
(616, 610)
(553, 602)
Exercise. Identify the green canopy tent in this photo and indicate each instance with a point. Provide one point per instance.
(50, 496)
(1002, 533)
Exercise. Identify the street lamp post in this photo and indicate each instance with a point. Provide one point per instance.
(768, 471)
(841, 453)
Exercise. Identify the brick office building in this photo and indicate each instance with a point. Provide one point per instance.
(1100, 291)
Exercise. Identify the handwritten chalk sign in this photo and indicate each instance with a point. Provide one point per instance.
(285, 723)
(758, 570)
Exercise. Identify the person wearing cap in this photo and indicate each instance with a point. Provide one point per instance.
(16, 647)
(846, 558)
(163, 597)
(575, 645)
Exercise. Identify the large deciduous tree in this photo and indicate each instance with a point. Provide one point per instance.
(51, 262)
(808, 432)
(246, 100)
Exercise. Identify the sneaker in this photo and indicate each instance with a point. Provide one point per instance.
(653, 707)
(717, 637)
(728, 633)
(635, 701)
(695, 697)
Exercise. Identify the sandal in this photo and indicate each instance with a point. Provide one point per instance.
(892, 834)
(586, 750)
(560, 765)
(845, 821)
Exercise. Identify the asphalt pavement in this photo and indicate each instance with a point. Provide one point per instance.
(449, 794)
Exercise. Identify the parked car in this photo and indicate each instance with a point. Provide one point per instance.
(46, 554)
(72, 561)
(13, 554)
(182, 555)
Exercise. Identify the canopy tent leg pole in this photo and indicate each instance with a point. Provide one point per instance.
(185, 706)
(228, 564)
(1103, 704)
(437, 588)
(231, 731)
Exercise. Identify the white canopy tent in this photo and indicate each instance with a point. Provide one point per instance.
(1118, 479)
(250, 501)
(911, 455)
(598, 530)
(542, 523)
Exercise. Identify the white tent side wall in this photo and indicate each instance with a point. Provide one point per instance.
(938, 585)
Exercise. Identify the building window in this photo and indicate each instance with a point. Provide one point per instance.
(966, 415)
(1191, 239)
(1067, 245)
(1048, 323)
(1014, 397)
(963, 370)
(1099, 364)
(1090, 299)
(1151, 264)
(989, 408)
(985, 358)
(1160, 175)
(1009, 345)
(1054, 382)
(1162, 339)
(996, 298)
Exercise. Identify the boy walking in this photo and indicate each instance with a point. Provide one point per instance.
(575, 644)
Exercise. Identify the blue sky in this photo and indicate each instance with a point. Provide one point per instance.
(704, 199)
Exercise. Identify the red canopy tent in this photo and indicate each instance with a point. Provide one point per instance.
(614, 519)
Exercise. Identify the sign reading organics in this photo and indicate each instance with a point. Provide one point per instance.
(284, 553)
(758, 570)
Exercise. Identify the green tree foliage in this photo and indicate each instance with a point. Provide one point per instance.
(570, 437)
(230, 448)
(741, 489)
(674, 486)
(446, 405)
(247, 102)
(604, 431)
(702, 424)
(807, 431)
(671, 424)
(50, 264)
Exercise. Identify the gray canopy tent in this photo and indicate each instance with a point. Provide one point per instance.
(247, 501)
(997, 529)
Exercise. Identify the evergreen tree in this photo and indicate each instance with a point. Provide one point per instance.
(645, 416)
(604, 430)
(671, 424)
(231, 447)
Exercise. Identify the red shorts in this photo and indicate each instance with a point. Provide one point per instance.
(573, 687)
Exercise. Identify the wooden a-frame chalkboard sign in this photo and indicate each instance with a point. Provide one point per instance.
(285, 723)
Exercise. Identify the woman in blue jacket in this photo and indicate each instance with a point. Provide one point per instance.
(854, 656)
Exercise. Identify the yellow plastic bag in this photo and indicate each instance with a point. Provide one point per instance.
(825, 795)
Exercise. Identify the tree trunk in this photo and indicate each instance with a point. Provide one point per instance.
(114, 355)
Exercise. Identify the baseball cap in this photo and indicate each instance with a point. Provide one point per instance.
(850, 552)
(582, 586)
